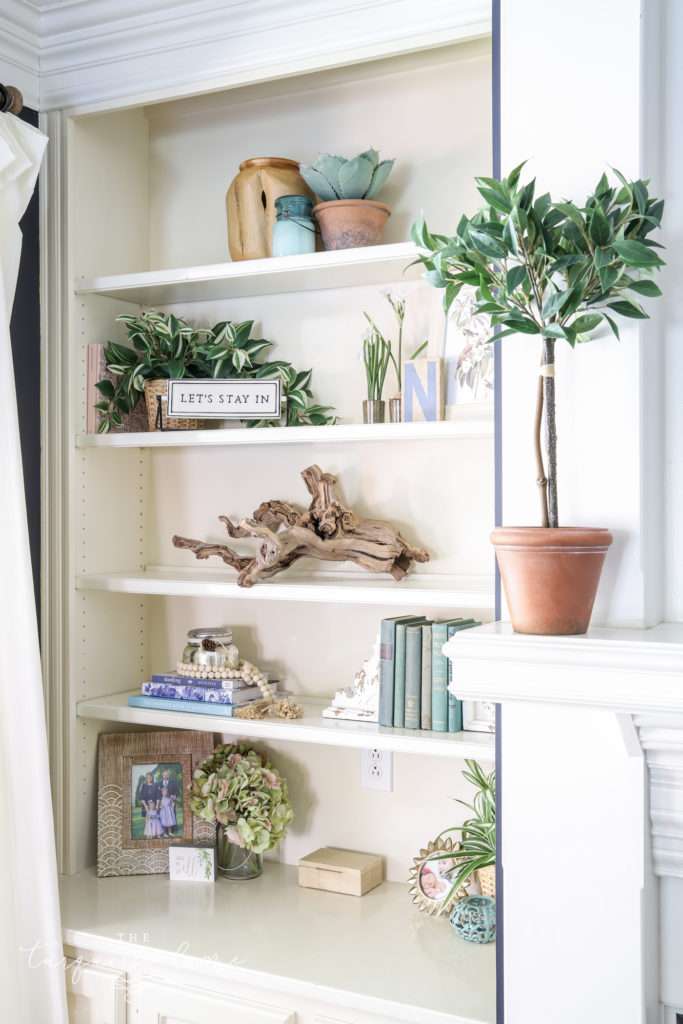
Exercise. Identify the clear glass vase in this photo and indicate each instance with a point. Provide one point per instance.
(235, 861)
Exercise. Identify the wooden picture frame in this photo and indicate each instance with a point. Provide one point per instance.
(135, 823)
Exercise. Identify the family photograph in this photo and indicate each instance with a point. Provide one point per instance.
(156, 801)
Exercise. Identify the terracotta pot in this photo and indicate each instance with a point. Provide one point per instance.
(351, 223)
(550, 576)
(250, 203)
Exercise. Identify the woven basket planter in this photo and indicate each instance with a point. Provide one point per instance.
(155, 390)
(487, 880)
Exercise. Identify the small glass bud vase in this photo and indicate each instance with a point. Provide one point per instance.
(474, 918)
(373, 411)
(235, 861)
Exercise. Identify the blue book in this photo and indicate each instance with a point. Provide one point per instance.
(175, 679)
(387, 639)
(440, 675)
(413, 675)
(455, 705)
(168, 704)
(426, 696)
(205, 694)
(400, 669)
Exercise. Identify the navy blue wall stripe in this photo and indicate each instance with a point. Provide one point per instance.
(498, 519)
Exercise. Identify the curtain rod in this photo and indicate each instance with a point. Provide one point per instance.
(11, 100)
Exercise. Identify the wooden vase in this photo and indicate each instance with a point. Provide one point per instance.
(550, 576)
(250, 204)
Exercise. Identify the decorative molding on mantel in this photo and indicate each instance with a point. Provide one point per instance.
(103, 51)
(633, 671)
(661, 738)
(623, 670)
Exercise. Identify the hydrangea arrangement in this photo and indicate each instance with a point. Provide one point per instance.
(241, 790)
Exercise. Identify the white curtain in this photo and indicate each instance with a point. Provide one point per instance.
(32, 975)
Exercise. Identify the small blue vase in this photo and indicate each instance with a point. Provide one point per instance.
(474, 918)
(293, 231)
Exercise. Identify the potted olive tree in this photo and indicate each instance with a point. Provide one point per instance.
(560, 272)
(349, 216)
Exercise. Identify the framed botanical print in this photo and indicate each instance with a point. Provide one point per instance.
(142, 806)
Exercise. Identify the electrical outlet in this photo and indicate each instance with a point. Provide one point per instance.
(376, 769)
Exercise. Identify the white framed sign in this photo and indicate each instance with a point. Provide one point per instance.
(478, 716)
(190, 862)
(224, 399)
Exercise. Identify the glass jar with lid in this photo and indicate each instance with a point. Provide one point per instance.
(211, 647)
(293, 231)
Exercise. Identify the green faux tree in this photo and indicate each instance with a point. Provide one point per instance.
(555, 270)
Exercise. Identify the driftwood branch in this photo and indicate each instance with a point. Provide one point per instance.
(328, 531)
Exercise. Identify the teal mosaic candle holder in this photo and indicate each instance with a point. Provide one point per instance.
(474, 918)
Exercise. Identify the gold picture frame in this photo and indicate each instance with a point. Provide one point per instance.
(137, 820)
(429, 878)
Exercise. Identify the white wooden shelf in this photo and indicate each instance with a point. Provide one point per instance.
(343, 268)
(629, 670)
(475, 420)
(417, 590)
(312, 728)
(291, 940)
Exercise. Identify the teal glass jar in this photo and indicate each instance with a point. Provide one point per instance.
(293, 231)
(474, 918)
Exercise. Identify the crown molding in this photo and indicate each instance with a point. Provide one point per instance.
(661, 738)
(101, 51)
(20, 50)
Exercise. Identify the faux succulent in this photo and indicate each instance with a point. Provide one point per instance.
(477, 835)
(555, 270)
(333, 177)
(167, 346)
(241, 789)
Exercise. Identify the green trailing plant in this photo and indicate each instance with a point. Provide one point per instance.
(476, 836)
(397, 301)
(168, 347)
(376, 355)
(551, 269)
(334, 177)
(240, 789)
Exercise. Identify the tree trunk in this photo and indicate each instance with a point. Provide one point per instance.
(548, 377)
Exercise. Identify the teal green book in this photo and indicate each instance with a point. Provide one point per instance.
(400, 670)
(387, 641)
(413, 687)
(440, 675)
(426, 701)
(196, 707)
(455, 705)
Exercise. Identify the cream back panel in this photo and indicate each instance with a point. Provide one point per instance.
(434, 120)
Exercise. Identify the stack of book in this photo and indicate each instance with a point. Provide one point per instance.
(171, 691)
(415, 674)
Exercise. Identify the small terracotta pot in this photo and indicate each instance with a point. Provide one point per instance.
(550, 576)
(351, 223)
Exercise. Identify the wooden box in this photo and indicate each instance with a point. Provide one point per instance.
(340, 871)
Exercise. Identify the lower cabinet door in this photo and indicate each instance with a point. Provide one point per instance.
(95, 995)
(157, 1002)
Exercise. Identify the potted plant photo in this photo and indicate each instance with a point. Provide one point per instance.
(348, 215)
(167, 347)
(559, 272)
(241, 791)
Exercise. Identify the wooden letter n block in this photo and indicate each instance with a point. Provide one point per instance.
(422, 391)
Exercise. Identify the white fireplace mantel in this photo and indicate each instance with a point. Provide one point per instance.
(592, 776)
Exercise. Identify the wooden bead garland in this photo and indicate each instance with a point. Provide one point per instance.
(284, 707)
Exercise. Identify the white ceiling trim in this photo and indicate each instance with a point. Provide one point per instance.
(106, 50)
(19, 50)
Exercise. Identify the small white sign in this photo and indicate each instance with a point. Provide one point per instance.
(224, 399)
(191, 863)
